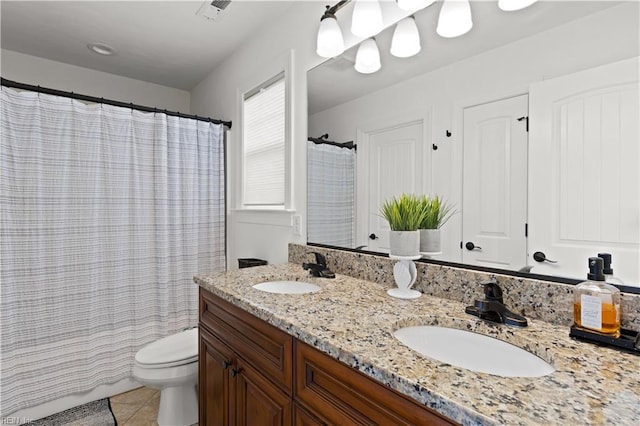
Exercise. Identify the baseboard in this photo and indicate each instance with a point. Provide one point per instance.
(48, 408)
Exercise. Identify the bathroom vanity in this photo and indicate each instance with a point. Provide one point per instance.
(252, 373)
(330, 357)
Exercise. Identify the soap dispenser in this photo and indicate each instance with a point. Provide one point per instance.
(596, 304)
(608, 270)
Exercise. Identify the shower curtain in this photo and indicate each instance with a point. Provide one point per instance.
(106, 215)
(330, 195)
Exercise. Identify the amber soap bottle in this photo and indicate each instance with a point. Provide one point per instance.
(596, 304)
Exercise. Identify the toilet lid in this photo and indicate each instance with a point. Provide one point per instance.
(182, 346)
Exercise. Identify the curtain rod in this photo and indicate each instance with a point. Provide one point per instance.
(320, 140)
(72, 95)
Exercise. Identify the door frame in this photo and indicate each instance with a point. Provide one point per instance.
(363, 137)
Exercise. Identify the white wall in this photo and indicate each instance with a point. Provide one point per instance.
(601, 38)
(264, 234)
(60, 76)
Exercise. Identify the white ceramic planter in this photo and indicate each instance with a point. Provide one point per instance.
(404, 243)
(430, 241)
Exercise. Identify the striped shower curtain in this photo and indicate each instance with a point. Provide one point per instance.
(106, 215)
(330, 195)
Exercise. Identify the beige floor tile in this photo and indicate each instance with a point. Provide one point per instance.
(138, 396)
(155, 401)
(123, 412)
(145, 416)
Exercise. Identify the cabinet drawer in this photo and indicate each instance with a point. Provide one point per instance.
(341, 395)
(263, 346)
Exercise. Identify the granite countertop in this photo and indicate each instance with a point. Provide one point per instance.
(353, 320)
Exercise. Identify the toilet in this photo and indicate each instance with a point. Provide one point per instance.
(171, 365)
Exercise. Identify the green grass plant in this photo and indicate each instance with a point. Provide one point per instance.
(436, 212)
(404, 213)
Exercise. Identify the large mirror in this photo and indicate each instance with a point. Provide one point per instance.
(527, 125)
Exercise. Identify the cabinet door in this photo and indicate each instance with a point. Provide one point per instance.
(264, 346)
(214, 384)
(258, 401)
(302, 417)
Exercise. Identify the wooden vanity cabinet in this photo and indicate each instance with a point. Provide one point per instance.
(245, 367)
(247, 371)
(215, 385)
(340, 395)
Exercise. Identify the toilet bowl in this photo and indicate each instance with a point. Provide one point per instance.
(171, 365)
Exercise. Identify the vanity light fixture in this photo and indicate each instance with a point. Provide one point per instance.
(414, 5)
(406, 39)
(455, 18)
(367, 18)
(511, 5)
(330, 42)
(368, 57)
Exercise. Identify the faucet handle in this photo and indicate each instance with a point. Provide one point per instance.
(492, 291)
(320, 259)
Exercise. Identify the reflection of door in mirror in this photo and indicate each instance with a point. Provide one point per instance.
(392, 165)
(584, 182)
(331, 194)
(494, 186)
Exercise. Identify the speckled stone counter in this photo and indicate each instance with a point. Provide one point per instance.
(353, 320)
(544, 300)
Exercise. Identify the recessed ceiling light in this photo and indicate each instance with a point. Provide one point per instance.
(101, 49)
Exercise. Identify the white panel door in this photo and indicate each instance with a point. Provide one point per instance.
(394, 167)
(584, 182)
(494, 203)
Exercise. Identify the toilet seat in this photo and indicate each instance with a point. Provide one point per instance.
(171, 351)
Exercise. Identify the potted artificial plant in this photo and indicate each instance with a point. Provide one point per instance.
(404, 214)
(436, 213)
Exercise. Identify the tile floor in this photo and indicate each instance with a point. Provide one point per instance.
(138, 407)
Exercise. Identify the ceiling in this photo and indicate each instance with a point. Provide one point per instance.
(335, 81)
(161, 42)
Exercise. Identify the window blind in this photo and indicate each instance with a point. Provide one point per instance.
(264, 145)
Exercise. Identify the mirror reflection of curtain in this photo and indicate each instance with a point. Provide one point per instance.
(331, 194)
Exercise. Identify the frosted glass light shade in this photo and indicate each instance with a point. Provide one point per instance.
(406, 39)
(368, 57)
(367, 18)
(330, 42)
(454, 19)
(413, 5)
(511, 5)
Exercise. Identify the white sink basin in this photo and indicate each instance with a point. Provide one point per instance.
(473, 351)
(287, 287)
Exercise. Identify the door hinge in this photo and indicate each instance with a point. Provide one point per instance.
(526, 120)
(526, 229)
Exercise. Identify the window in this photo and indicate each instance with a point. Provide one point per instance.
(264, 144)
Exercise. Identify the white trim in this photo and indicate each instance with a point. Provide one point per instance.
(265, 217)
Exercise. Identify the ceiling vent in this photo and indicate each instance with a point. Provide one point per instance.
(212, 9)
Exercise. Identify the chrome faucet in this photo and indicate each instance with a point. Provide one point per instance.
(319, 269)
(492, 307)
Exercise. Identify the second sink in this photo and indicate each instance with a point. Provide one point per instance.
(473, 351)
